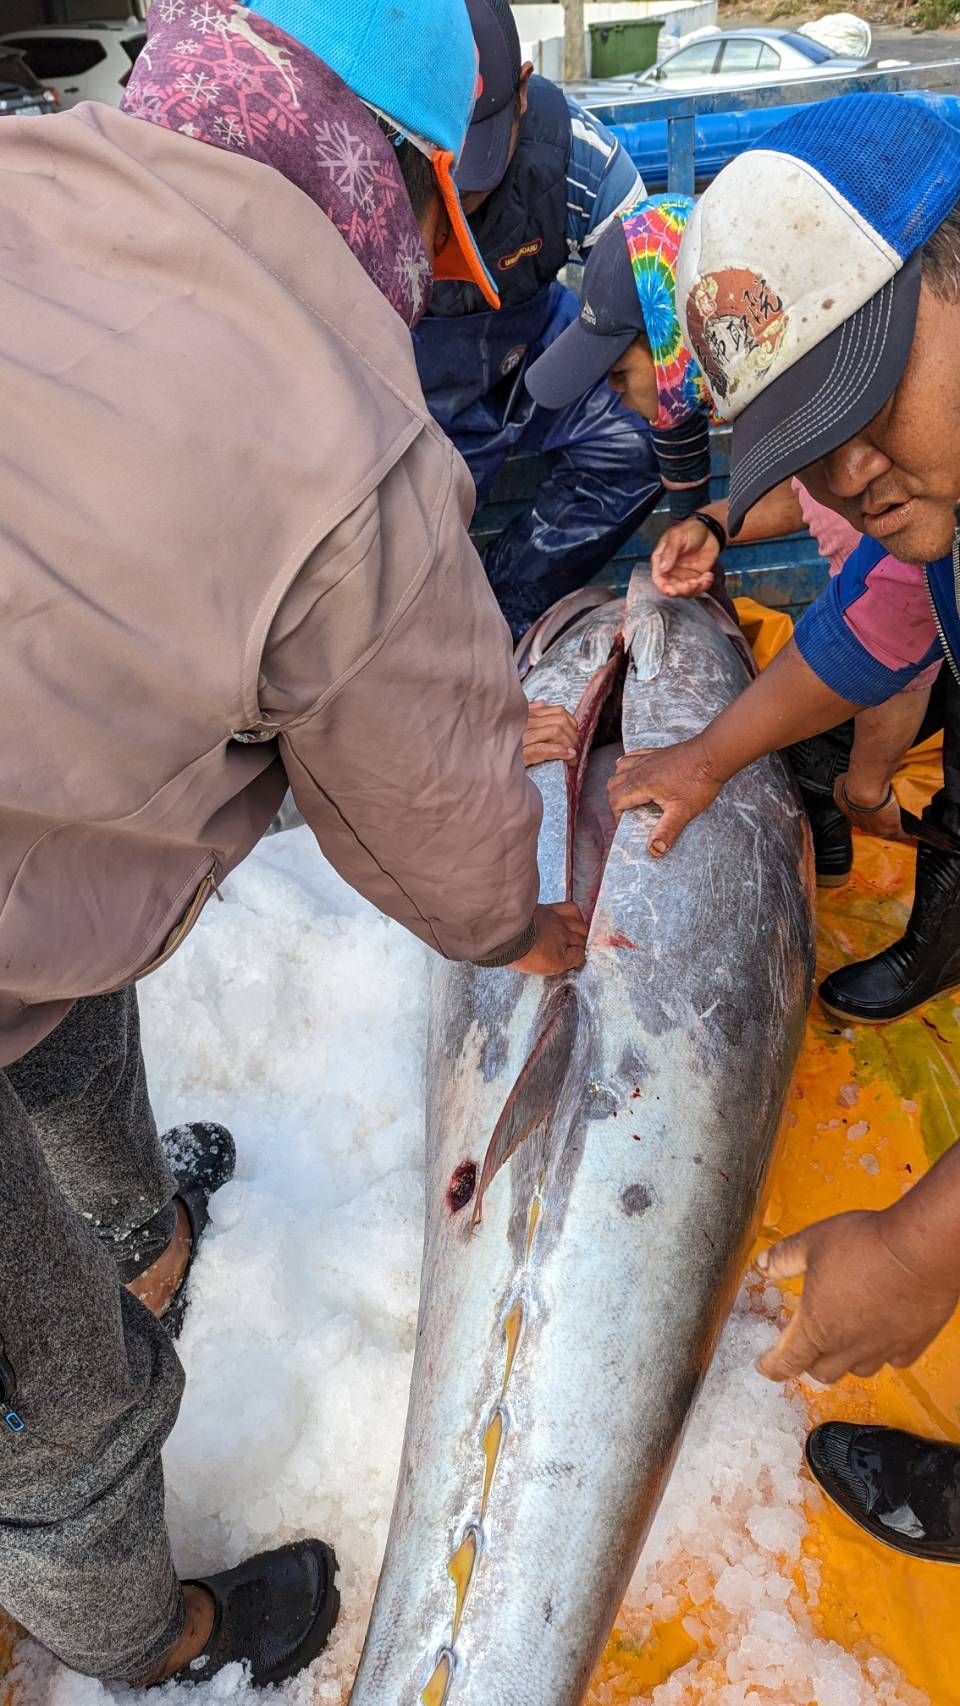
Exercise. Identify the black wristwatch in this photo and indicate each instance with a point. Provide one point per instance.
(713, 526)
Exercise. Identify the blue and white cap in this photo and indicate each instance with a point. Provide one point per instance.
(799, 276)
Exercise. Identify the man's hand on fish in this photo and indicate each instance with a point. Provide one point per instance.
(683, 559)
(785, 704)
(678, 779)
(551, 733)
(561, 943)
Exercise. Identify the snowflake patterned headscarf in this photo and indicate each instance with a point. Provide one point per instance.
(217, 72)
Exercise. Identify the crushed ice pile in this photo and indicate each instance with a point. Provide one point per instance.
(295, 1015)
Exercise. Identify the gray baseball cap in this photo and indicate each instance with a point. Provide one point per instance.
(486, 151)
(610, 320)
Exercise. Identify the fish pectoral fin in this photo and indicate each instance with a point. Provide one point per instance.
(533, 1100)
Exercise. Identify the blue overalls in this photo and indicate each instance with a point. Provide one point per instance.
(604, 476)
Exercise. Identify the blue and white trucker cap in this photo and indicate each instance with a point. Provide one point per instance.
(799, 276)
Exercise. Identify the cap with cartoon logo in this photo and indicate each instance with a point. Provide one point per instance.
(799, 276)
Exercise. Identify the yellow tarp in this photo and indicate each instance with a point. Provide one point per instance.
(907, 1081)
(907, 1078)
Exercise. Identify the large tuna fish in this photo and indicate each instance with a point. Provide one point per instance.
(596, 1148)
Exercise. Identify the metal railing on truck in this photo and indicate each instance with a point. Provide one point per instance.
(679, 142)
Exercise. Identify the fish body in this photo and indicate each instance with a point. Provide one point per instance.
(596, 1150)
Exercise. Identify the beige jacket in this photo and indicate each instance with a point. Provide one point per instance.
(232, 554)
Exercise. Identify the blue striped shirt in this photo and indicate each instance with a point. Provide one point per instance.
(602, 181)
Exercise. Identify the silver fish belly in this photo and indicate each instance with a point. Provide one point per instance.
(596, 1149)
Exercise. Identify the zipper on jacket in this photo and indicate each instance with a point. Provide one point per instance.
(951, 660)
(181, 931)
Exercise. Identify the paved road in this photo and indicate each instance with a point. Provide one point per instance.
(920, 48)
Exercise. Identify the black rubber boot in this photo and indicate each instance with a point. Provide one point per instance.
(832, 840)
(925, 961)
(816, 764)
(273, 1612)
(899, 1488)
(203, 1157)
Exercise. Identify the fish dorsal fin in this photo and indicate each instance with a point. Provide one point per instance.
(644, 627)
(596, 647)
(537, 641)
(533, 1100)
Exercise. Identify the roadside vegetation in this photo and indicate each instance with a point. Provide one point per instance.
(883, 14)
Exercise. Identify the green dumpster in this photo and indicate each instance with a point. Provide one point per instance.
(624, 46)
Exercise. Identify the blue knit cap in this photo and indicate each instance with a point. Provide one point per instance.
(415, 61)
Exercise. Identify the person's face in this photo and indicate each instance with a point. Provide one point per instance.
(634, 379)
(434, 226)
(476, 198)
(899, 479)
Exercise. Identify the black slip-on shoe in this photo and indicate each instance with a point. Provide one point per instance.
(901, 1489)
(274, 1613)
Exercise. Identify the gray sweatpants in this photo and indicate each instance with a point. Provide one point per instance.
(85, 1190)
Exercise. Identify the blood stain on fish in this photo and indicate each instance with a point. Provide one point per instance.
(462, 1185)
(614, 939)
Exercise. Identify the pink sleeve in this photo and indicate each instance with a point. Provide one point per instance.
(835, 537)
(925, 679)
(892, 617)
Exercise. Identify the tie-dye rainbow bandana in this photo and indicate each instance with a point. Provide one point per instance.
(653, 229)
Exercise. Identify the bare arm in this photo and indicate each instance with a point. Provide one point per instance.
(884, 735)
(777, 514)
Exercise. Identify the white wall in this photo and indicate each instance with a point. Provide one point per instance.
(541, 25)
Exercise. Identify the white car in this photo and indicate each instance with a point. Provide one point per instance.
(736, 59)
(81, 62)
